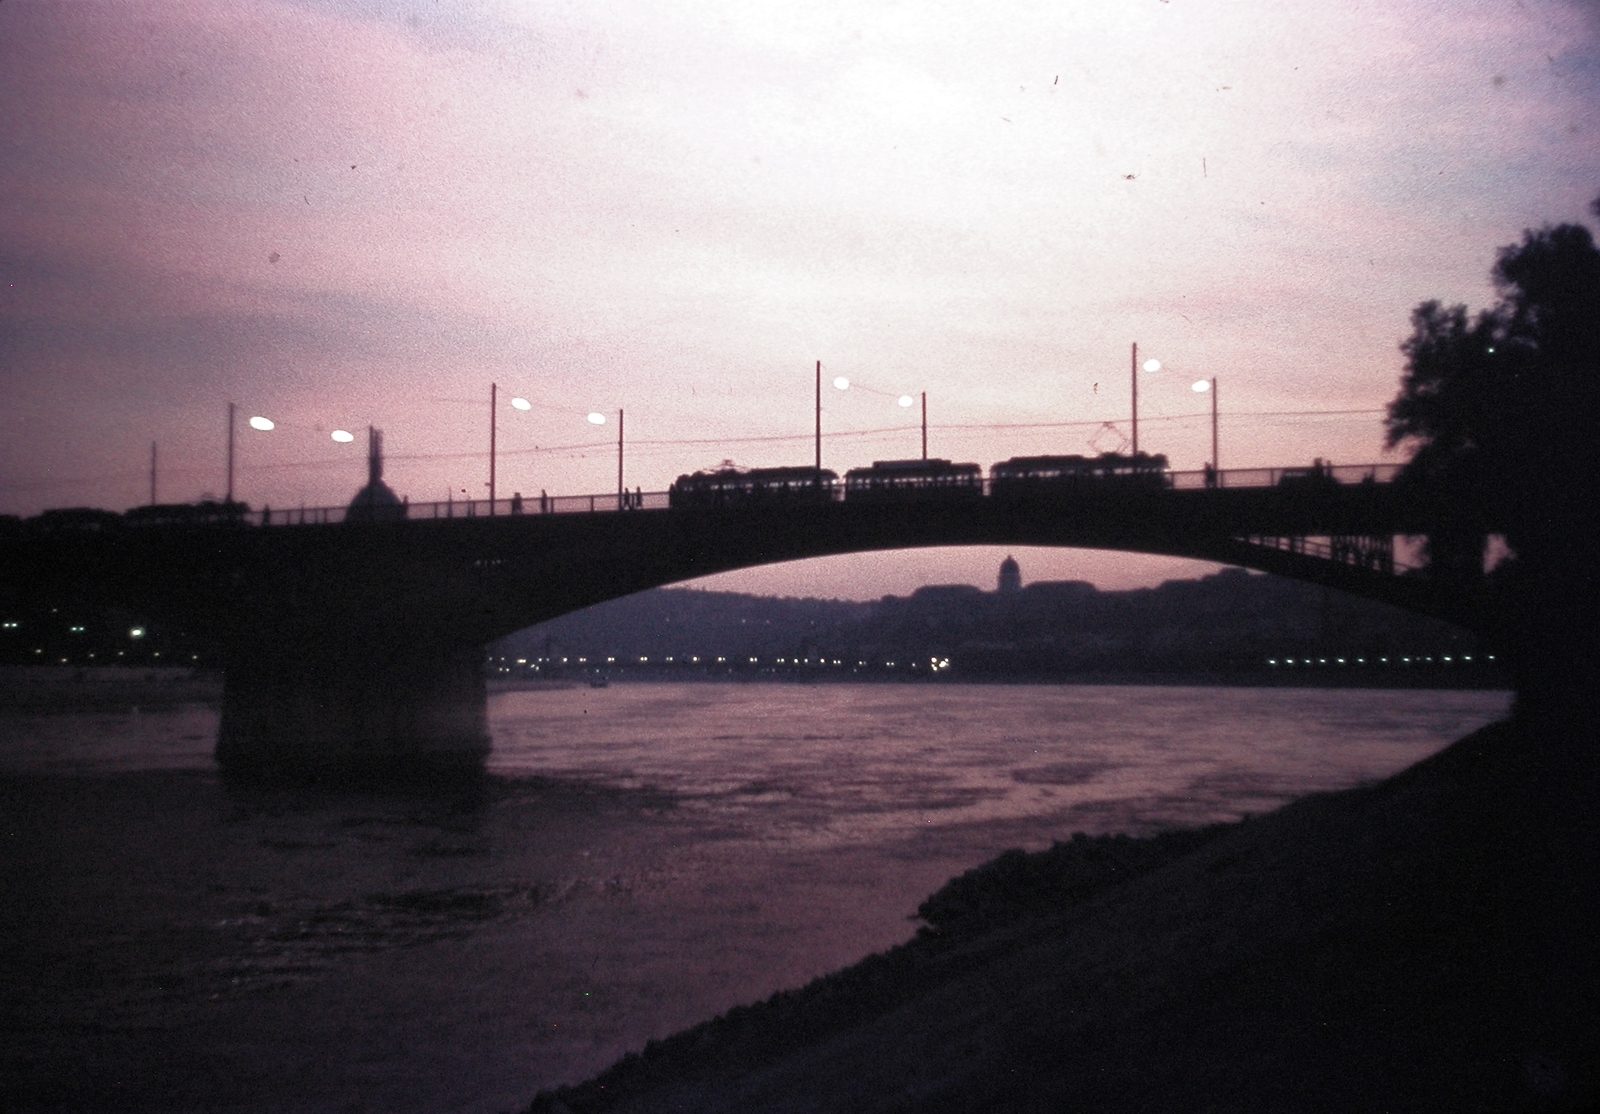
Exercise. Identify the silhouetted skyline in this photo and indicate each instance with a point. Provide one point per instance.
(337, 217)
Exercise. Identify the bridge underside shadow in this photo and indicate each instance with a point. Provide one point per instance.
(359, 646)
(631, 555)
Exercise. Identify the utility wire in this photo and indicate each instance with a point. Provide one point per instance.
(685, 442)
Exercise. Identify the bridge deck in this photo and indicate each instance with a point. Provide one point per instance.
(611, 502)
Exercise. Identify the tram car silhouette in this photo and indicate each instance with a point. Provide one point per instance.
(1023, 476)
(752, 487)
(907, 480)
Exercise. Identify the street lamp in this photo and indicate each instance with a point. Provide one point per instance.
(1209, 386)
(597, 418)
(905, 401)
(256, 422)
(1151, 366)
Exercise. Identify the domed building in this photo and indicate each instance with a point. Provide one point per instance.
(375, 502)
(1010, 576)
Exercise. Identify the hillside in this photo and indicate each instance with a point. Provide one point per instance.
(1423, 944)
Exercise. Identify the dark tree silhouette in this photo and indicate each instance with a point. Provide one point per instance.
(1503, 411)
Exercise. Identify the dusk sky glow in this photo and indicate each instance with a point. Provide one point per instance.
(337, 213)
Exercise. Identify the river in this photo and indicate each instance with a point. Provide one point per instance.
(641, 858)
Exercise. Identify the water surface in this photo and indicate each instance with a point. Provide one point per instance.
(642, 858)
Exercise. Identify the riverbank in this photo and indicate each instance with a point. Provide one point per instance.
(1422, 944)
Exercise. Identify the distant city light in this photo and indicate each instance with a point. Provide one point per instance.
(263, 424)
(597, 419)
(907, 400)
(842, 383)
(343, 436)
(136, 632)
(522, 404)
(1152, 365)
(1201, 385)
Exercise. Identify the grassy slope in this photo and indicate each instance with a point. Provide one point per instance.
(1423, 944)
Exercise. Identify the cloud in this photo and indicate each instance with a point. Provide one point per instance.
(677, 206)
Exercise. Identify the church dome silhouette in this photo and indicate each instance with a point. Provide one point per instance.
(1010, 575)
(375, 502)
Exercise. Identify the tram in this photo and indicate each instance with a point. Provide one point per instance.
(913, 480)
(747, 487)
(1045, 475)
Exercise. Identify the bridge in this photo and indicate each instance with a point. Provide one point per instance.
(358, 644)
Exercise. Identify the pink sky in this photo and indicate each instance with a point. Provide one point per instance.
(348, 212)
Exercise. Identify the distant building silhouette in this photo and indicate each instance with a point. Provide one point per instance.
(1010, 576)
(375, 502)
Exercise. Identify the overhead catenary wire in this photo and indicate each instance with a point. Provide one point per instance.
(681, 442)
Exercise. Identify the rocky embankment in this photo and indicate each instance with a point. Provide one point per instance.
(1422, 944)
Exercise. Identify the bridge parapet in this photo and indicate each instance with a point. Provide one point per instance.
(612, 502)
(1375, 552)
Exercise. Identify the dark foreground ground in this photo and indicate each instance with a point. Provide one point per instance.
(1426, 944)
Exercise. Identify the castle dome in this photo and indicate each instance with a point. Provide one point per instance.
(375, 502)
(1010, 575)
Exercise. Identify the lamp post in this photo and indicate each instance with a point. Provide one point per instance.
(1150, 366)
(621, 492)
(844, 384)
(819, 415)
(256, 422)
(1204, 386)
(493, 390)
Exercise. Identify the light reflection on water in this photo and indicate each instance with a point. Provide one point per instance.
(859, 763)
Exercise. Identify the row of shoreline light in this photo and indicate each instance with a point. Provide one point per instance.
(1429, 659)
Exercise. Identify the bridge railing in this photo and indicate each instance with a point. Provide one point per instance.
(1375, 553)
(1272, 477)
(466, 508)
(612, 502)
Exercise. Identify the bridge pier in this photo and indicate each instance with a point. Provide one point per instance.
(383, 712)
